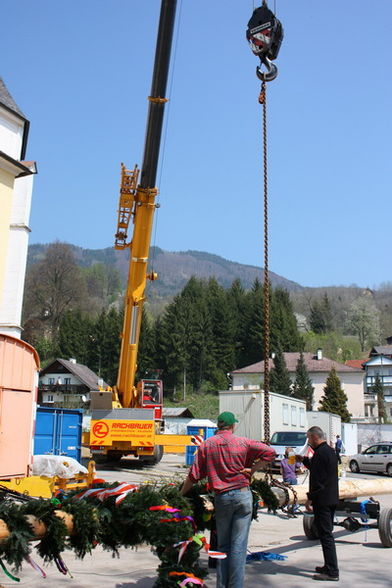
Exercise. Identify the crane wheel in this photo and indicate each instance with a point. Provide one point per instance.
(309, 527)
(153, 459)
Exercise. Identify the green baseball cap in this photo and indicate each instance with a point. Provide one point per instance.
(227, 418)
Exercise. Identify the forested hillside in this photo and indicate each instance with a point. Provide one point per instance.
(209, 322)
(174, 269)
(204, 332)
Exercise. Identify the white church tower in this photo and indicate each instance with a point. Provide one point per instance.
(16, 186)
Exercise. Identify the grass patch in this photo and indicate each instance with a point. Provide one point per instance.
(202, 405)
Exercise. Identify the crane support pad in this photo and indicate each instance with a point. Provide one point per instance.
(170, 440)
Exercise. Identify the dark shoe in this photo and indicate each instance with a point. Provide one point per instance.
(325, 577)
(321, 569)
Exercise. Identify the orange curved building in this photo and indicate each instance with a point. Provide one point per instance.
(19, 366)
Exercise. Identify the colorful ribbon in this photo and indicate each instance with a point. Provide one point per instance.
(120, 491)
(165, 507)
(7, 573)
(61, 565)
(200, 540)
(189, 578)
(177, 518)
(35, 566)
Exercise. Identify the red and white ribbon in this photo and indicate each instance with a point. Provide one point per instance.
(120, 491)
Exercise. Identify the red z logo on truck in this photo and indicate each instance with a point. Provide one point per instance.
(100, 429)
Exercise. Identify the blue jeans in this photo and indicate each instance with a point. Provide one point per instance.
(233, 513)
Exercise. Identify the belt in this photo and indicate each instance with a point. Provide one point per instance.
(243, 489)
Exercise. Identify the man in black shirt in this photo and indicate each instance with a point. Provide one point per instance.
(323, 497)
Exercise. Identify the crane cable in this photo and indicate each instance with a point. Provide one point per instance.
(267, 288)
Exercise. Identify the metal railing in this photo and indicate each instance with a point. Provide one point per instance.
(63, 388)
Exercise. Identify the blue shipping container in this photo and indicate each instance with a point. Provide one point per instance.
(191, 449)
(58, 431)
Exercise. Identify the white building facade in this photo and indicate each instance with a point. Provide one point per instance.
(65, 383)
(378, 366)
(16, 185)
(352, 379)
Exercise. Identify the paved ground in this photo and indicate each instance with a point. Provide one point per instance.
(363, 560)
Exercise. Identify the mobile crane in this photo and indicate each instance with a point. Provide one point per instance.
(128, 419)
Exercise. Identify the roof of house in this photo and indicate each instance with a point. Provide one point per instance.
(378, 360)
(312, 364)
(356, 363)
(170, 411)
(381, 350)
(7, 100)
(82, 372)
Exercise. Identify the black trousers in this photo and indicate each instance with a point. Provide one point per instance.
(323, 519)
(337, 451)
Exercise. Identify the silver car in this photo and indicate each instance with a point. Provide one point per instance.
(376, 458)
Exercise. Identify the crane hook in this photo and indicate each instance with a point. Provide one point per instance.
(265, 35)
(270, 74)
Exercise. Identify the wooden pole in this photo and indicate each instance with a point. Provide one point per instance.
(352, 488)
(348, 488)
(38, 526)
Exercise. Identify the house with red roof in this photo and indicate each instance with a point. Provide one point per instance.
(351, 377)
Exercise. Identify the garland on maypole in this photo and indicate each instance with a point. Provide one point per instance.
(114, 516)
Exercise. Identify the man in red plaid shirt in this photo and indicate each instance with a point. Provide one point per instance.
(229, 462)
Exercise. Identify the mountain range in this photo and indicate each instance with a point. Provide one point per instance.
(174, 268)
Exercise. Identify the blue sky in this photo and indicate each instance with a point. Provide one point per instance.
(81, 72)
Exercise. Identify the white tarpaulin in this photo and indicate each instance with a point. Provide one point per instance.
(57, 465)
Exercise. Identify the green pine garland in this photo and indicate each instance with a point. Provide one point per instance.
(127, 524)
(86, 526)
(263, 490)
(17, 546)
(53, 543)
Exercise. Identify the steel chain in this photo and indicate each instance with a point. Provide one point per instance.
(285, 486)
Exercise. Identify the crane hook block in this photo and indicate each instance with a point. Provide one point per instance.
(265, 35)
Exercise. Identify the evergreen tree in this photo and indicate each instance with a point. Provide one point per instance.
(223, 333)
(73, 336)
(284, 329)
(201, 348)
(327, 312)
(172, 341)
(280, 381)
(146, 348)
(253, 334)
(283, 325)
(335, 399)
(378, 390)
(317, 319)
(104, 345)
(303, 387)
(185, 337)
(236, 298)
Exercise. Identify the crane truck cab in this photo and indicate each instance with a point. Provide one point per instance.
(151, 396)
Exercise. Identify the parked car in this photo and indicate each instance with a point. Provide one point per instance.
(376, 458)
(282, 439)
